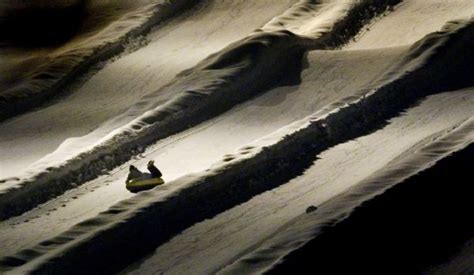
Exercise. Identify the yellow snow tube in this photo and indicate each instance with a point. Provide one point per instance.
(135, 186)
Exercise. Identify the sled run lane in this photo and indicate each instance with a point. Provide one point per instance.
(249, 224)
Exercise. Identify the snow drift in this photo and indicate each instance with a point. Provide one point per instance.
(136, 224)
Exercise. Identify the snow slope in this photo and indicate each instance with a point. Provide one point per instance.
(329, 77)
(211, 87)
(173, 47)
(134, 216)
(324, 137)
(241, 229)
(417, 240)
(247, 227)
(413, 20)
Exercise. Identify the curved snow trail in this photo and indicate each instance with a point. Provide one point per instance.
(329, 76)
(212, 244)
(173, 47)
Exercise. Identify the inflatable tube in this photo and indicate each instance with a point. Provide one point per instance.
(135, 186)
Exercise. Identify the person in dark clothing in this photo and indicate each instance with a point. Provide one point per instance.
(134, 173)
(155, 173)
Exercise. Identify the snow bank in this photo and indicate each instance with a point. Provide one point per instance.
(136, 226)
(327, 235)
(43, 73)
(222, 80)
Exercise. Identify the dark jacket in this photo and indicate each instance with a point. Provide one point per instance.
(134, 174)
(155, 173)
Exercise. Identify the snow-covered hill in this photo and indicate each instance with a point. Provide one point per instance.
(273, 122)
